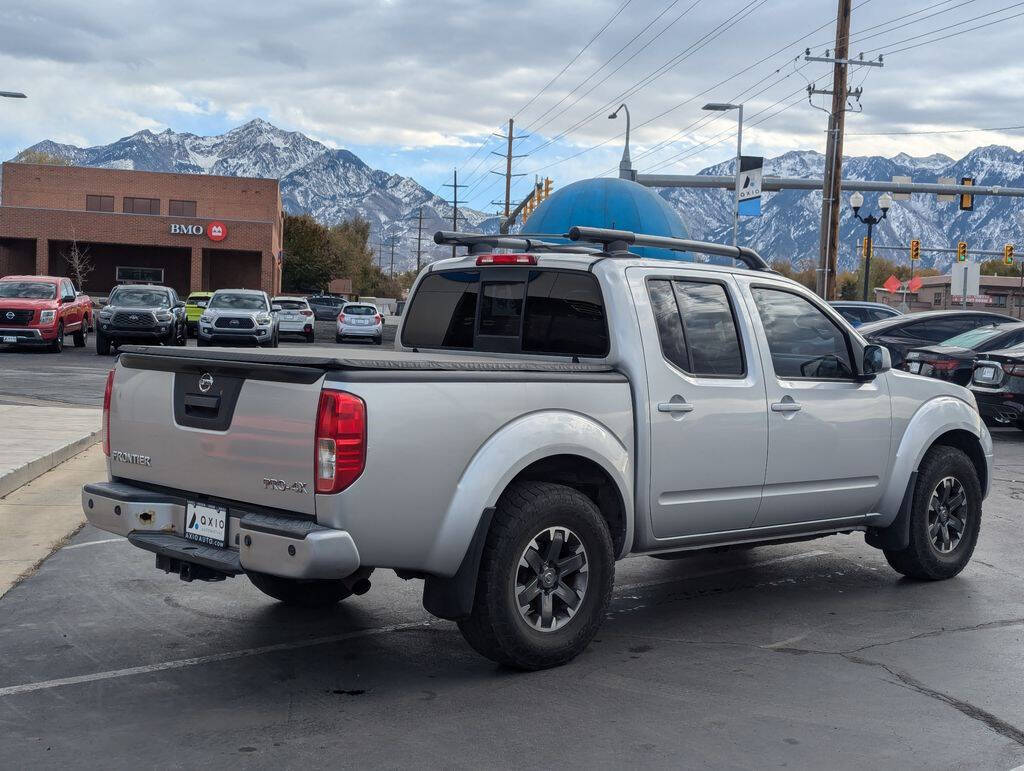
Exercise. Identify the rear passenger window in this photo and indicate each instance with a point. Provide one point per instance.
(564, 314)
(696, 327)
(443, 311)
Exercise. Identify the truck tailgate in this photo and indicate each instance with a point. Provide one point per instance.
(233, 430)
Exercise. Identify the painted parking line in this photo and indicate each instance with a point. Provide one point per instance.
(95, 543)
(163, 666)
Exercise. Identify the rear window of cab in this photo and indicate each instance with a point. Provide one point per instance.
(509, 310)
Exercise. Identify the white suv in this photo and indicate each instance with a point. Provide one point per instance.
(360, 320)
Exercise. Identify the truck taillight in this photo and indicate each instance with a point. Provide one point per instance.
(340, 440)
(108, 389)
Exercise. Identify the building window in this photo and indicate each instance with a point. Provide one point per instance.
(141, 205)
(181, 208)
(999, 300)
(99, 203)
(131, 275)
(937, 300)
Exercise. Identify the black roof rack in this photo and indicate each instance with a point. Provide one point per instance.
(480, 244)
(621, 240)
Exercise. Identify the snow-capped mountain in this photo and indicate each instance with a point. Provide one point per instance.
(788, 227)
(329, 184)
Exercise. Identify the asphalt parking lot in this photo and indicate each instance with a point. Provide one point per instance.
(807, 655)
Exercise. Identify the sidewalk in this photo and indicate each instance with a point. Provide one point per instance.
(35, 439)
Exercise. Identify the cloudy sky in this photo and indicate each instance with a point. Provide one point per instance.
(417, 86)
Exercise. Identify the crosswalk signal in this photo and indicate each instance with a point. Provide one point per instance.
(547, 188)
(961, 252)
(1008, 254)
(864, 247)
(915, 249)
(966, 199)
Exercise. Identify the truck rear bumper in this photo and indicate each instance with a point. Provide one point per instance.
(265, 543)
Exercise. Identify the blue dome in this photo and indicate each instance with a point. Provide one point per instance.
(610, 203)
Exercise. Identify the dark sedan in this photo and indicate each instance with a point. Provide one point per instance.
(998, 387)
(913, 330)
(954, 359)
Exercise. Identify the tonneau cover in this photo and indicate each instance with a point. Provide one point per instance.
(326, 358)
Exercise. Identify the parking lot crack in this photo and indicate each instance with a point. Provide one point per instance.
(937, 632)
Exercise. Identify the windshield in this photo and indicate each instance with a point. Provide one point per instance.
(359, 310)
(972, 338)
(291, 305)
(139, 298)
(239, 302)
(28, 290)
(198, 298)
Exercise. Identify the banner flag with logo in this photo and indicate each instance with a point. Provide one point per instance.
(749, 182)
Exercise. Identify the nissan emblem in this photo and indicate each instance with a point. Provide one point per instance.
(10, 314)
(205, 382)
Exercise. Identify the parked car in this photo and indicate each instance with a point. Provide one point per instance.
(194, 307)
(326, 307)
(550, 413)
(295, 317)
(141, 313)
(913, 330)
(239, 316)
(954, 359)
(41, 310)
(360, 320)
(858, 312)
(998, 386)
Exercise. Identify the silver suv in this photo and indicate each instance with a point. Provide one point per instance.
(235, 316)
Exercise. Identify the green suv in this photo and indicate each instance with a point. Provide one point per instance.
(194, 307)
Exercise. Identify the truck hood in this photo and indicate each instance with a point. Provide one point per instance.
(903, 385)
(24, 303)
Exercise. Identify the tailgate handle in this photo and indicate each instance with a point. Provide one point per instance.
(197, 401)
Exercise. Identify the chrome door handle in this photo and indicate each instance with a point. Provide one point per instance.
(675, 407)
(785, 406)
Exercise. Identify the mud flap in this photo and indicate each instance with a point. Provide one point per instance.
(896, 536)
(452, 598)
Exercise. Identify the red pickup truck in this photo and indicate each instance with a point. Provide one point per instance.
(41, 310)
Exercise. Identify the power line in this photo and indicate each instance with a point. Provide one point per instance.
(922, 133)
(889, 51)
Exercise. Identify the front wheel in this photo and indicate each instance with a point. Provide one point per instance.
(102, 344)
(57, 345)
(81, 337)
(945, 517)
(545, 578)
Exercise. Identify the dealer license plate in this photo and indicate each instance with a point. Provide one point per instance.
(206, 523)
(914, 366)
(986, 375)
(8, 339)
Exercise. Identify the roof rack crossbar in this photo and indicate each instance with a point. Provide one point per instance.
(484, 243)
(620, 240)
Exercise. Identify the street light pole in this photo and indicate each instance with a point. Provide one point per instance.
(625, 165)
(725, 107)
(885, 203)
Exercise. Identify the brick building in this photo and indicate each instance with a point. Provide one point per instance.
(1002, 294)
(188, 231)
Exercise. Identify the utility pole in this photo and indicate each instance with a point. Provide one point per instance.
(393, 237)
(508, 156)
(419, 238)
(455, 201)
(832, 187)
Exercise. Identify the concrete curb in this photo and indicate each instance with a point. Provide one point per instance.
(22, 475)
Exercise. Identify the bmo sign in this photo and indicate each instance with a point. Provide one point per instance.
(215, 231)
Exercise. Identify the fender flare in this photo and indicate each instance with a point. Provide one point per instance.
(934, 418)
(456, 551)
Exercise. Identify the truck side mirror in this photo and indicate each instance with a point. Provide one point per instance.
(876, 360)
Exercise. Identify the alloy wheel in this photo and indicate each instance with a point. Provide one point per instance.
(550, 581)
(947, 515)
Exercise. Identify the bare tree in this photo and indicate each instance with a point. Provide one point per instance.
(79, 263)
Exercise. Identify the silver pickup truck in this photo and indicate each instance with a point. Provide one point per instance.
(546, 411)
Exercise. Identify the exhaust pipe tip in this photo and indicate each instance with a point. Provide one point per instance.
(361, 587)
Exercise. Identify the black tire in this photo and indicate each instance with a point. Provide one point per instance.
(310, 337)
(379, 340)
(924, 558)
(58, 342)
(102, 344)
(182, 336)
(339, 339)
(496, 627)
(81, 337)
(305, 594)
(202, 342)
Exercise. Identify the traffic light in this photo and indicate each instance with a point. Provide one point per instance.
(547, 188)
(1008, 254)
(961, 252)
(966, 199)
(865, 245)
(915, 249)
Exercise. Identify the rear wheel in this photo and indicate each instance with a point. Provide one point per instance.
(338, 339)
(310, 337)
(81, 337)
(379, 340)
(57, 345)
(102, 344)
(545, 578)
(945, 518)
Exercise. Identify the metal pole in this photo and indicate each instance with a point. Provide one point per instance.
(964, 303)
(1020, 298)
(736, 192)
(508, 170)
(419, 239)
(867, 260)
(393, 256)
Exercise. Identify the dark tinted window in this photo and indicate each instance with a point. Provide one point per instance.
(696, 327)
(501, 308)
(877, 314)
(564, 314)
(803, 341)
(181, 208)
(937, 330)
(668, 322)
(359, 310)
(99, 203)
(443, 311)
(855, 315)
(141, 205)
